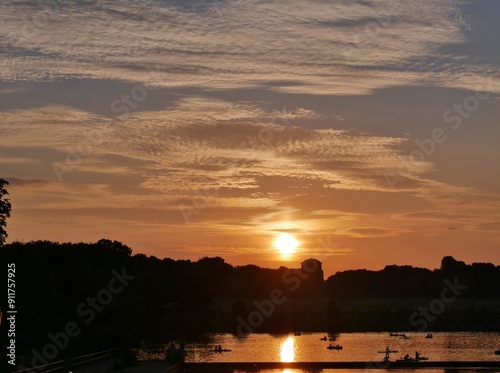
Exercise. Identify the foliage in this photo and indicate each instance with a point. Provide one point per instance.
(5, 210)
(168, 298)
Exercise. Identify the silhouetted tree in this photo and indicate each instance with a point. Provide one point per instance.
(114, 247)
(5, 209)
(451, 266)
(391, 282)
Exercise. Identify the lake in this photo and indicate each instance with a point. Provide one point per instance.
(359, 347)
(453, 370)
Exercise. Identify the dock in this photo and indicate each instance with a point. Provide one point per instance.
(256, 366)
(153, 366)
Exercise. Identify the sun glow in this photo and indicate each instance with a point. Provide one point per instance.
(286, 244)
(287, 350)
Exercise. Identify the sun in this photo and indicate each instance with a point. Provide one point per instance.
(286, 244)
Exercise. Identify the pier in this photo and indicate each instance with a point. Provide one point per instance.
(112, 361)
(156, 366)
(256, 366)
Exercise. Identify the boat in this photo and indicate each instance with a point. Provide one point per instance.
(389, 351)
(397, 334)
(336, 347)
(408, 358)
(429, 335)
(219, 349)
(323, 338)
(412, 360)
(497, 352)
(297, 334)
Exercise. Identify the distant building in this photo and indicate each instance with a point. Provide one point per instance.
(314, 268)
(306, 281)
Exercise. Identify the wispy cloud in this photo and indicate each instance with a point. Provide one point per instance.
(334, 47)
(260, 116)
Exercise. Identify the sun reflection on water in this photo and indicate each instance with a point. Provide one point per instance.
(287, 350)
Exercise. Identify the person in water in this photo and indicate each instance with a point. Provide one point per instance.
(387, 352)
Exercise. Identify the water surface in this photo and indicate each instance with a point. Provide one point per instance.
(356, 347)
(359, 347)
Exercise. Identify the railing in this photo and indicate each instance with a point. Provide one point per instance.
(75, 363)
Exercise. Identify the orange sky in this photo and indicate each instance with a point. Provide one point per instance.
(369, 132)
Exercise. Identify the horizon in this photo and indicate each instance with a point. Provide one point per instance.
(290, 264)
(326, 275)
(358, 133)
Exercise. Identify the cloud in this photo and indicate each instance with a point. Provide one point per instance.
(222, 45)
(248, 121)
(25, 161)
(15, 182)
(437, 215)
(213, 146)
(491, 226)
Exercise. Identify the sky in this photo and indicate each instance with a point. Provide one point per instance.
(365, 132)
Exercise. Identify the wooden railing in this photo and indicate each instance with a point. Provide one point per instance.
(76, 364)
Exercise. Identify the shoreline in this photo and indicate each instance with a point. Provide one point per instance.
(340, 365)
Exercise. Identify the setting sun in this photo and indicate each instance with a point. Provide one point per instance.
(286, 243)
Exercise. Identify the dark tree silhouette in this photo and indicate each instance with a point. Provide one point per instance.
(114, 247)
(5, 209)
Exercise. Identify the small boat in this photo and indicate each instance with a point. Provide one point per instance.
(390, 351)
(223, 350)
(297, 334)
(323, 339)
(336, 347)
(412, 360)
(408, 358)
(429, 335)
(219, 349)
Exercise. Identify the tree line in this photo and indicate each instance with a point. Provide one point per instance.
(169, 296)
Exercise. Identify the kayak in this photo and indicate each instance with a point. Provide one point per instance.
(412, 360)
(337, 347)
